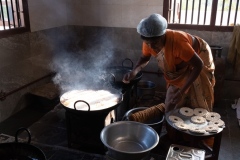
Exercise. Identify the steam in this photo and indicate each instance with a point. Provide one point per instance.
(82, 69)
(79, 62)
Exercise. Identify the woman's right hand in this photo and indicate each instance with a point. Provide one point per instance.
(128, 77)
(142, 62)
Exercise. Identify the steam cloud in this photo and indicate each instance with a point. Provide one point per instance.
(82, 69)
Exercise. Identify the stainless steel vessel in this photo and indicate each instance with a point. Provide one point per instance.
(176, 152)
(129, 140)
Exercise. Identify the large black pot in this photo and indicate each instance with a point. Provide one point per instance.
(117, 73)
(84, 124)
(91, 113)
(20, 151)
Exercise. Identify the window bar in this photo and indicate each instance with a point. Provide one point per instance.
(180, 10)
(25, 12)
(235, 18)
(186, 12)
(13, 15)
(192, 11)
(213, 13)
(6, 1)
(199, 9)
(205, 12)
(17, 10)
(229, 11)
(2, 14)
(174, 8)
(222, 12)
(170, 10)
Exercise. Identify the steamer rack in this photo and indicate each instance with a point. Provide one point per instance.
(187, 120)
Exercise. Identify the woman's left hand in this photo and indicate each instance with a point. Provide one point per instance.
(177, 97)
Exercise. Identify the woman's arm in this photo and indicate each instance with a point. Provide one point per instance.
(197, 64)
(141, 63)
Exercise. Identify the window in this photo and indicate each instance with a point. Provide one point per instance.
(14, 17)
(210, 15)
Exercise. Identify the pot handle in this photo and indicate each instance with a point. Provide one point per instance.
(127, 59)
(81, 101)
(125, 118)
(28, 132)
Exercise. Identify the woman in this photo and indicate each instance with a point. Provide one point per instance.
(185, 60)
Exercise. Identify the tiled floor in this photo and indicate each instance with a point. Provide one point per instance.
(48, 132)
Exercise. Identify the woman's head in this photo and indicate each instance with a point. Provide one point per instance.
(152, 30)
(153, 26)
(156, 43)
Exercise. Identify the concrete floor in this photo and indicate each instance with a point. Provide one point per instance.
(230, 144)
(48, 131)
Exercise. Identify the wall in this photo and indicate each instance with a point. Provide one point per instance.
(114, 13)
(27, 57)
(45, 14)
(24, 58)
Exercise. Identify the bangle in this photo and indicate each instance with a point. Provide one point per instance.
(180, 92)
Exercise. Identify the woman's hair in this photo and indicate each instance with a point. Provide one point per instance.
(149, 38)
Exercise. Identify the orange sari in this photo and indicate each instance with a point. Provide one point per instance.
(179, 49)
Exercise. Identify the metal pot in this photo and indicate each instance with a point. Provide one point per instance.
(146, 89)
(20, 151)
(155, 123)
(79, 96)
(129, 140)
(85, 115)
(117, 73)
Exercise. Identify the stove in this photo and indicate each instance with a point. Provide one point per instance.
(84, 132)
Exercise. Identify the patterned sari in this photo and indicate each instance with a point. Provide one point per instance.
(201, 92)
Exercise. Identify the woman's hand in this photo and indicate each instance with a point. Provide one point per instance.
(142, 62)
(128, 77)
(173, 102)
(177, 97)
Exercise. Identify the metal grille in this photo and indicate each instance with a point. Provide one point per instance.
(204, 12)
(228, 13)
(11, 14)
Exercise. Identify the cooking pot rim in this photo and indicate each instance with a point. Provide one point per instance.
(126, 69)
(28, 147)
(141, 108)
(113, 90)
(23, 148)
